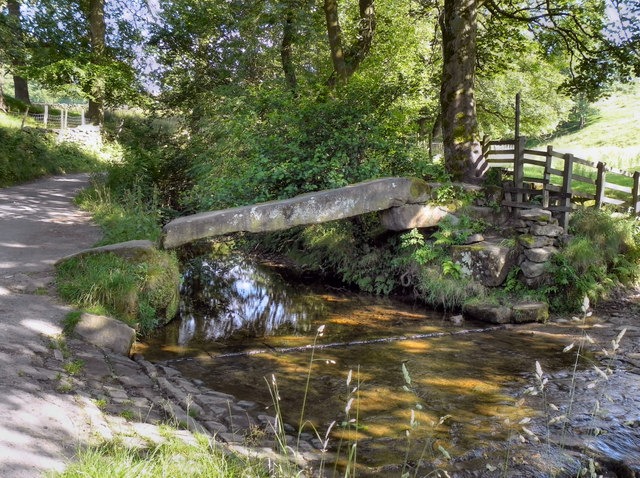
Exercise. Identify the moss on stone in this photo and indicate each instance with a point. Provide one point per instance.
(419, 189)
(527, 239)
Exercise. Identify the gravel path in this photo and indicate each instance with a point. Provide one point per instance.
(38, 225)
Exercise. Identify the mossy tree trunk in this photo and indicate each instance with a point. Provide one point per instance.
(94, 11)
(20, 84)
(462, 149)
(346, 60)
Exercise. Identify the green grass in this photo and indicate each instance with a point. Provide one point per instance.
(142, 291)
(29, 154)
(122, 217)
(171, 458)
(610, 135)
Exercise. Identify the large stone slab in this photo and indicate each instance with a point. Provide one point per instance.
(540, 254)
(486, 262)
(501, 314)
(530, 241)
(494, 314)
(533, 269)
(128, 250)
(549, 230)
(312, 208)
(412, 216)
(106, 332)
(530, 312)
(536, 214)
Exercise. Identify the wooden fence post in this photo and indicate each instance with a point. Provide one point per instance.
(485, 146)
(518, 166)
(602, 175)
(635, 192)
(24, 118)
(46, 115)
(565, 192)
(546, 177)
(517, 126)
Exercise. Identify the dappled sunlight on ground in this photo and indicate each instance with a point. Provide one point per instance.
(42, 327)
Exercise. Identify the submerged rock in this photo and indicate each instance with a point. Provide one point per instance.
(530, 312)
(494, 314)
(502, 314)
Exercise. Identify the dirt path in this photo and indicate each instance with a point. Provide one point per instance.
(39, 427)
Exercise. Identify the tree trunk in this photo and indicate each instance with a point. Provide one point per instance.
(462, 148)
(346, 62)
(94, 9)
(286, 49)
(20, 85)
(3, 106)
(335, 40)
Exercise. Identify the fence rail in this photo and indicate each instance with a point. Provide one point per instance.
(59, 121)
(560, 180)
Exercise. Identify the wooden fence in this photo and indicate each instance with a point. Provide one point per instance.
(59, 121)
(557, 181)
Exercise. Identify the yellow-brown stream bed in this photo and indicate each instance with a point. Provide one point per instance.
(403, 381)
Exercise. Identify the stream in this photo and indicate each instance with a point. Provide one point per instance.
(406, 383)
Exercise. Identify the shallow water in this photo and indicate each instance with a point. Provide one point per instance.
(421, 387)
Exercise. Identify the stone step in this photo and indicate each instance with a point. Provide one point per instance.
(132, 399)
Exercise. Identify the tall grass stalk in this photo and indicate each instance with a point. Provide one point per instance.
(414, 424)
(550, 408)
(301, 422)
(278, 425)
(353, 397)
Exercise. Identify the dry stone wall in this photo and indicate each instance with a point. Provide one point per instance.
(539, 236)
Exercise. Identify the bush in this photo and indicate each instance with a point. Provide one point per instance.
(265, 144)
(604, 253)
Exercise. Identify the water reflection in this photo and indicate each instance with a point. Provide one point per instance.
(232, 309)
(227, 296)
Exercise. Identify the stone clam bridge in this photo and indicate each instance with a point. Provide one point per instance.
(402, 200)
(403, 204)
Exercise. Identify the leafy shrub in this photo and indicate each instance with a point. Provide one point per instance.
(266, 144)
(604, 252)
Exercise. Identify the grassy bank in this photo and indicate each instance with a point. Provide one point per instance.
(610, 133)
(142, 291)
(171, 458)
(27, 154)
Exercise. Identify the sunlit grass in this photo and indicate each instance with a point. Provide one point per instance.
(29, 154)
(611, 135)
(116, 459)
